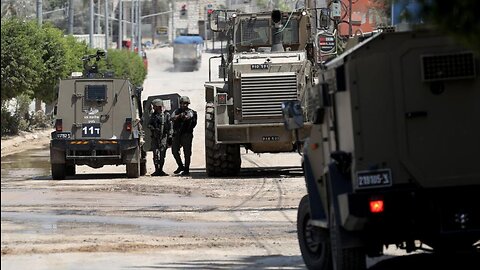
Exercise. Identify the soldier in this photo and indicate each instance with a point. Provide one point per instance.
(184, 121)
(161, 128)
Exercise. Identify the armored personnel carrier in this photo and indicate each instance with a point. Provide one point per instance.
(266, 61)
(392, 157)
(97, 123)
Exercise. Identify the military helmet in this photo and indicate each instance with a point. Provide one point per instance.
(157, 102)
(184, 99)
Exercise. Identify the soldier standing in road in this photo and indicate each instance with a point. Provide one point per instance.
(161, 128)
(184, 121)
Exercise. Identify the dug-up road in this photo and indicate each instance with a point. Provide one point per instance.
(99, 219)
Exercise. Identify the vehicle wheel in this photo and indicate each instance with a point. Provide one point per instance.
(70, 169)
(313, 241)
(221, 159)
(143, 163)
(143, 168)
(344, 258)
(59, 171)
(133, 167)
(133, 170)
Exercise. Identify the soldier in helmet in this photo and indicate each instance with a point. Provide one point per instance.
(184, 121)
(161, 128)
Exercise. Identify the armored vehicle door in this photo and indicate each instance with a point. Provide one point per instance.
(170, 102)
(441, 110)
(96, 114)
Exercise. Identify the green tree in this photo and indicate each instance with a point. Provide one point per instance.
(74, 53)
(21, 59)
(126, 64)
(458, 18)
(54, 62)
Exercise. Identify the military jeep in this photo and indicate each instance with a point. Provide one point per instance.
(97, 123)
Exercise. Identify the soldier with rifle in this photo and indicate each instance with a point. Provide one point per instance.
(184, 121)
(161, 128)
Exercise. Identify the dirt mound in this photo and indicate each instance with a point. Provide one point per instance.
(25, 141)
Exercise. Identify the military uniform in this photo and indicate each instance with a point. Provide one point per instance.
(184, 121)
(161, 128)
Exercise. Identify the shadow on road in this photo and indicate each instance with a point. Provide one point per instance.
(250, 262)
(430, 261)
(410, 262)
(256, 172)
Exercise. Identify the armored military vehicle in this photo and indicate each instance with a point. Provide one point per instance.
(97, 123)
(266, 61)
(392, 157)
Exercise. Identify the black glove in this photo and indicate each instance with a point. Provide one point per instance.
(169, 142)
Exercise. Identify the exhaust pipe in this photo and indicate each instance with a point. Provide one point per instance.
(277, 35)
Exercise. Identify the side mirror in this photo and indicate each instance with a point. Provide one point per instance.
(323, 18)
(218, 20)
(292, 114)
(138, 91)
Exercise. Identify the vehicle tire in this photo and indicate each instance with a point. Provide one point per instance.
(143, 164)
(70, 169)
(133, 167)
(59, 171)
(143, 168)
(313, 241)
(344, 258)
(133, 170)
(221, 159)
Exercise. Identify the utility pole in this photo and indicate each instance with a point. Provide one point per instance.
(106, 26)
(139, 27)
(132, 23)
(70, 17)
(349, 18)
(172, 19)
(120, 22)
(91, 24)
(97, 17)
(38, 102)
(154, 20)
(39, 12)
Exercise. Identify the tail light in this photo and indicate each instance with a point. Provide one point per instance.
(376, 206)
(58, 125)
(128, 124)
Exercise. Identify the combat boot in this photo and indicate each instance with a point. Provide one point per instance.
(179, 170)
(159, 173)
(186, 168)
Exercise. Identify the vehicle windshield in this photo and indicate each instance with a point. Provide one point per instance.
(255, 32)
(290, 32)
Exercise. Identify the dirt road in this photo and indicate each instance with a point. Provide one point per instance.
(99, 219)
